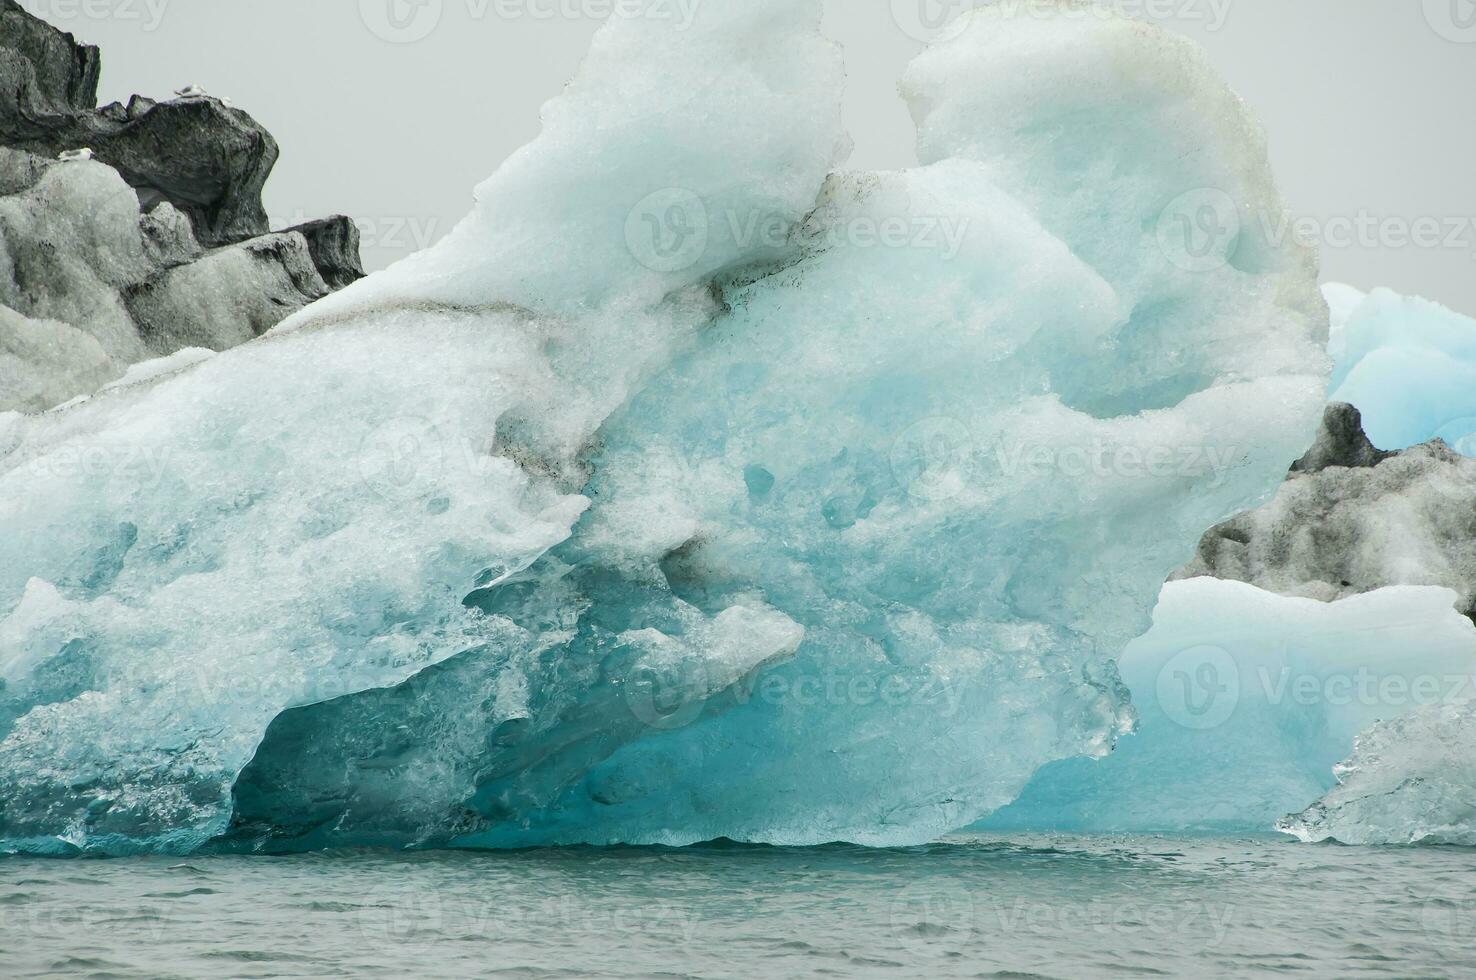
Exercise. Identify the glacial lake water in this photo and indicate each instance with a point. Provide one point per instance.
(1025, 906)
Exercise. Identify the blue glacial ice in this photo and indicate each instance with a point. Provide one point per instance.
(693, 487)
(1408, 364)
(1249, 700)
(1409, 780)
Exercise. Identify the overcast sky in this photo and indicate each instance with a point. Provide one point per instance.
(1368, 103)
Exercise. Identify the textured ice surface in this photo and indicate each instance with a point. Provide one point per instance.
(301, 517)
(1248, 700)
(183, 559)
(1411, 780)
(784, 506)
(1408, 364)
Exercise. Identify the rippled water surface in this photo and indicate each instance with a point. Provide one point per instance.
(1028, 906)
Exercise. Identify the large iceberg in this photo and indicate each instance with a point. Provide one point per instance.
(691, 487)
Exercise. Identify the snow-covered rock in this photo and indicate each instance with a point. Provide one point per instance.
(1351, 519)
(92, 284)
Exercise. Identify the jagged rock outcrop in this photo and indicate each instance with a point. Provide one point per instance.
(46, 77)
(90, 283)
(334, 244)
(205, 157)
(1352, 518)
(1341, 442)
(158, 242)
(228, 296)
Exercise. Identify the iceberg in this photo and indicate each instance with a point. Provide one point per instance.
(1408, 364)
(693, 487)
(1248, 700)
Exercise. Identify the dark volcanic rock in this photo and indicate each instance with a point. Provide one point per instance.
(46, 77)
(1351, 519)
(158, 242)
(209, 160)
(1340, 442)
(206, 158)
(334, 244)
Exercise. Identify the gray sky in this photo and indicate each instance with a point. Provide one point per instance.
(1368, 103)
